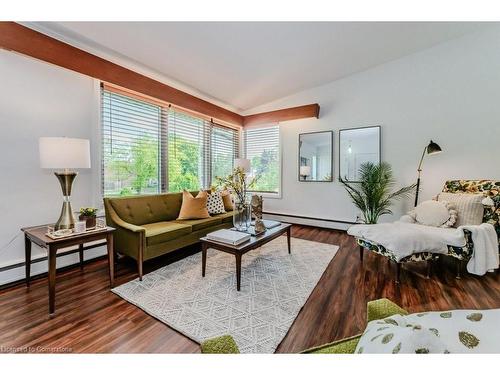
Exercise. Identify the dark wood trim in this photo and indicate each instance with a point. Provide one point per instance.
(294, 113)
(18, 38)
(22, 39)
(309, 218)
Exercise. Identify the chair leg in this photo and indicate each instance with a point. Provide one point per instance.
(361, 249)
(429, 268)
(459, 269)
(398, 272)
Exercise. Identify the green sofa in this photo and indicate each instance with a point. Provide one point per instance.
(378, 309)
(147, 225)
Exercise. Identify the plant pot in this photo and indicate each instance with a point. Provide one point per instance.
(90, 221)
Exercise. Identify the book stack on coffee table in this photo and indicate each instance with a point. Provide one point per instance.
(230, 237)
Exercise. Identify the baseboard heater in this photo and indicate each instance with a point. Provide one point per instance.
(42, 259)
(308, 218)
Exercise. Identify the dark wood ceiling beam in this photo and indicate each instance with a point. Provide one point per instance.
(21, 39)
(295, 113)
(26, 41)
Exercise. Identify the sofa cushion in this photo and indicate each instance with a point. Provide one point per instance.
(198, 224)
(165, 231)
(226, 217)
(147, 209)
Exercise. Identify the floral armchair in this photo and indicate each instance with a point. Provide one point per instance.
(491, 215)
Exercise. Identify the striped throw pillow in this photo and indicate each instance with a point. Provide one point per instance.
(469, 207)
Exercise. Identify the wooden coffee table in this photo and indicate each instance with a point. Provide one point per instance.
(239, 250)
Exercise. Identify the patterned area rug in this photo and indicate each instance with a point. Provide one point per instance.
(274, 287)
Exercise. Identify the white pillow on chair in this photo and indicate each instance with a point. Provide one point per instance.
(435, 214)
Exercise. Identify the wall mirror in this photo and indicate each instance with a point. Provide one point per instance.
(357, 146)
(316, 157)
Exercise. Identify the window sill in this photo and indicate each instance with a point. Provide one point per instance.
(267, 195)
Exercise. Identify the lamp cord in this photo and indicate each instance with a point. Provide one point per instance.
(10, 242)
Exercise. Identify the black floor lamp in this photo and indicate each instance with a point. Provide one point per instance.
(431, 148)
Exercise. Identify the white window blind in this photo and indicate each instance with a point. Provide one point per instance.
(262, 147)
(149, 148)
(131, 138)
(188, 152)
(224, 146)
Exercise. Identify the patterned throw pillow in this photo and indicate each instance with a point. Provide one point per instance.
(398, 334)
(454, 331)
(215, 204)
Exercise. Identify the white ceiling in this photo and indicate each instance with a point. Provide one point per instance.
(246, 64)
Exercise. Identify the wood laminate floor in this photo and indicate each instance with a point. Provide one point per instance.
(89, 318)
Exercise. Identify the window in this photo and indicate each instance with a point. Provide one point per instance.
(224, 146)
(188, 152)
(131, 133)
(149, 148)
(262, 147)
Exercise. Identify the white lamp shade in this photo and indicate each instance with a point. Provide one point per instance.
(243, 164)
(305, 170)
(64, 153)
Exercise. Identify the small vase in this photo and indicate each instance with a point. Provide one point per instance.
(242, 216)
(89, 220)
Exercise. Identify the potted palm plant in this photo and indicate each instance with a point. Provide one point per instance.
(372, 194)
(88, 214)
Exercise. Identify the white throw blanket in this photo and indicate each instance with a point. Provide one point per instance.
(485, 255)
(404, 239)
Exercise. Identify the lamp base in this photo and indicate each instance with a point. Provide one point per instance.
(66, 219)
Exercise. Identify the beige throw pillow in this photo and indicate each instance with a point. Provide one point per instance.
(193, 208)
(469, 207)
(228, 200)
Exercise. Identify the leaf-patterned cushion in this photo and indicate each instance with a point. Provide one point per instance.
(454, 331)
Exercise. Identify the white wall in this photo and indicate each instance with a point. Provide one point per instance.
(38, 99)
(449, 93)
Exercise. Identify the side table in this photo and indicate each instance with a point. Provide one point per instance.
(37, 235)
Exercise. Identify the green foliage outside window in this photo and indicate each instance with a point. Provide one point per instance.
(266, 166)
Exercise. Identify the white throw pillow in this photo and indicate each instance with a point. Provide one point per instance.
(215, 204)
(434, 214)
(469, 207)
(397, 335)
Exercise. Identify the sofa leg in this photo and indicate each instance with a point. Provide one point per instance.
(139, 269)
(361, 249)
(398, 272)
(429, 269)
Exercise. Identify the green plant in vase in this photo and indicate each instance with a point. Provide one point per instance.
(89, 215)
(373, 193)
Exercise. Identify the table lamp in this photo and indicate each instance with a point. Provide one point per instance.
(431, 148)
(243, 164)
(305, 171)
(64, 155)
